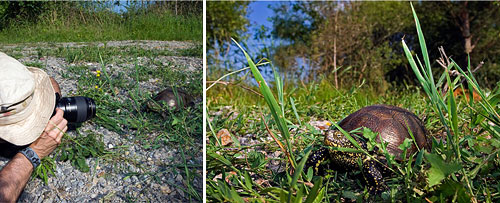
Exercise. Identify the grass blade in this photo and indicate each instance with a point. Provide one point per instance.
(292, 102)
(313, 195)
(298, 173)
(273, 105)
(423, 46)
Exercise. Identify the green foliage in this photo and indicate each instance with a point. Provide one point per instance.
(439, 169)
(47, 166)
(76, 150)
(458, 155)
(299, 21)
(312, 102)
(364, 38)
(93, 21)
(196, 51)
(225, 20)
(81, 147)
(12, 11)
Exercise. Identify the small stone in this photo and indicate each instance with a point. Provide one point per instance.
(101, 174)
(180, 192)
(320, 125)
(110, 146)
(179, 178)
(224, 137)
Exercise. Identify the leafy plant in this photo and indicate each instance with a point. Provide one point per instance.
(454, 161)
(47, 166)
(78, 149)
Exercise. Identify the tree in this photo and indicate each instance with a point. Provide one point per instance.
(16, 10)
(295, 23)
(361, 40)
(225, 19)
(463, 29)
(341, 35)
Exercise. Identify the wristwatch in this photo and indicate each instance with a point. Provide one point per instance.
(32, 156)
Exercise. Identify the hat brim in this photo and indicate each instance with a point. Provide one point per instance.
(41, 107)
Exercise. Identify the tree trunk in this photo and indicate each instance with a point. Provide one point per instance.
(335, 53)
(465, 27)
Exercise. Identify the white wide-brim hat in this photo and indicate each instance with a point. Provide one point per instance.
(27, 101)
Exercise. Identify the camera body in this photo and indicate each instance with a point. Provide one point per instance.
(76, 109)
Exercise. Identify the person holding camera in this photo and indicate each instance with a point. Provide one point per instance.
(27, 101)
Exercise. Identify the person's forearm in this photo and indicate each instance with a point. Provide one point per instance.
(13, 178)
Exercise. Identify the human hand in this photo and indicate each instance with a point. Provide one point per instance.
(51, 135)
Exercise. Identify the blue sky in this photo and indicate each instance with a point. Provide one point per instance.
(258, 14)
(260, 11)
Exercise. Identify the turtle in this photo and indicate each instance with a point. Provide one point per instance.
(392, 125)
(171, 98)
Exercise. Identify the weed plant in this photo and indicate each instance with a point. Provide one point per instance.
(461, 166)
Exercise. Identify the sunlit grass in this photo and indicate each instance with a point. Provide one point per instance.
(151, 26)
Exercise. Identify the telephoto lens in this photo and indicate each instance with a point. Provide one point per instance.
(77, 109)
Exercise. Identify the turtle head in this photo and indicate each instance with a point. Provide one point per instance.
(335, 138)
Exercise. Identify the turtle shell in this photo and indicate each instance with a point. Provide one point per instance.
(392, 124)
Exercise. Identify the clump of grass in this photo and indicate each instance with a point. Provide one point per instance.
(80, 148)
(149, 26)
(454, 170)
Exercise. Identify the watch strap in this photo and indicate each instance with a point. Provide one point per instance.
(31, 156)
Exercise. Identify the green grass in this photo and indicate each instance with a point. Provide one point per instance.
(93, 53)
(152, 26)
(463, 168)
(121, 108)
(317, 101)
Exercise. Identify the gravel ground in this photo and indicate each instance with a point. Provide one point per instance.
(108, 181)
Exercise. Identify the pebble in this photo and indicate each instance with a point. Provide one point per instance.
(179, 178)
(165, 189)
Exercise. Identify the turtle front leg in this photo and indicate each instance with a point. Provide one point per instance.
(373, 177)
(315, 159)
